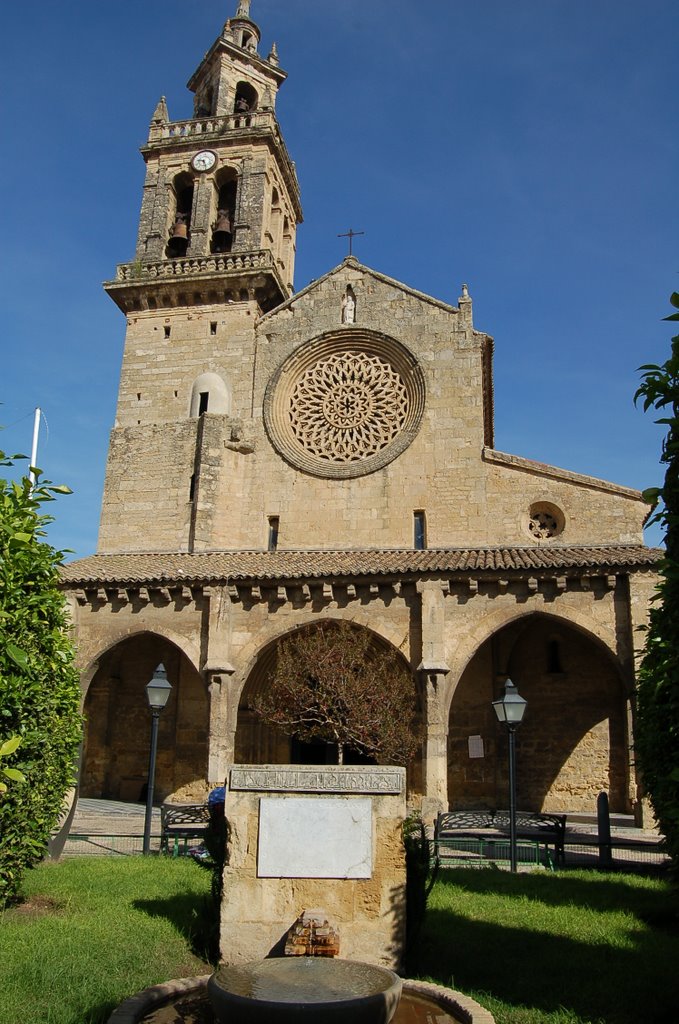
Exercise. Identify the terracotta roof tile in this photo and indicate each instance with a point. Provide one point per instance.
(216, 566)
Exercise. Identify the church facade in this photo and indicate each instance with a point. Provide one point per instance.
(283, 458)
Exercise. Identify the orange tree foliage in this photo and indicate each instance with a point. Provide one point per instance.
(333, 683)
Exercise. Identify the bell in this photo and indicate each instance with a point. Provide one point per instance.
(221, 236)
(179, 237)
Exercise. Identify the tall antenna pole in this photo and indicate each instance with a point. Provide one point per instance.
(34, 448)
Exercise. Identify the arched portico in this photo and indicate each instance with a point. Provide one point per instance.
(573, 742)
(258, 743)
(118, 722)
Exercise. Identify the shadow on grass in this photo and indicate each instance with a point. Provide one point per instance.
(623, 979)
(587, 889)
(194, 916)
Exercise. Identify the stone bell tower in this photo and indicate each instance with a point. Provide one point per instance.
(215, 250)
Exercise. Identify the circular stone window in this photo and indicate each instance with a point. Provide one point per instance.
(545, 521)
(344, 406)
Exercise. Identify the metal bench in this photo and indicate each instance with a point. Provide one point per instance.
(180, 823)
(537, 834)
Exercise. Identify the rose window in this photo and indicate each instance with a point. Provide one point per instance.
(542, 525)
(348, 406)
(545, 521)
(335, 409)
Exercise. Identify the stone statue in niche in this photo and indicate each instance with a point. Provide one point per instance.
(349, 306)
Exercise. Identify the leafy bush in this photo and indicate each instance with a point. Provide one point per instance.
(421, 872)
(657, 725)
(13, 774)
(39, 690)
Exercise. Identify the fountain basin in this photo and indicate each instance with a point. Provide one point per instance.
(288, 990)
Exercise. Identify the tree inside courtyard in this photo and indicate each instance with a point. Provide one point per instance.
(334, 683)
(657, 725)
(40, 721)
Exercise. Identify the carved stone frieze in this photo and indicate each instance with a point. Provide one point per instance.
(311, 779)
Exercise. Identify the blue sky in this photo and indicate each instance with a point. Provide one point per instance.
(527, 148)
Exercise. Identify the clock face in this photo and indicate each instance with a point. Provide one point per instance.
(204, 160)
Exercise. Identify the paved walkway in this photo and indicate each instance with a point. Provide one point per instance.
(121, 826)
(110, 827)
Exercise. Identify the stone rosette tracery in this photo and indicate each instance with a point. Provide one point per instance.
(341, 410)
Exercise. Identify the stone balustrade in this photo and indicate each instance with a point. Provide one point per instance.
(189, 266)
(211, 126)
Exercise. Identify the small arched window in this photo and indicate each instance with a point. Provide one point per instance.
(210, 393)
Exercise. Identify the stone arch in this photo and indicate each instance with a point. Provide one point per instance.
(210, 393)
(118, 721)
(573, 742)
(92, 664)
(391, 634)
(181, 210)
(245, 101)
(470, 641)
(224, 206)
(258, 743)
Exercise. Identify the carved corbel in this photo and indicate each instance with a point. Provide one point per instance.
(432, 673)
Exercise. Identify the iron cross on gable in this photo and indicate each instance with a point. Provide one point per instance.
(351, 234)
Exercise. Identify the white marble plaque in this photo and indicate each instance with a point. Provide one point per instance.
(315, 837)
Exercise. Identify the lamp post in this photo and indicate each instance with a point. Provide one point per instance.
(510, 710)
(157, 694)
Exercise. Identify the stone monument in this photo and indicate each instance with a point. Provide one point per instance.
(301, 837)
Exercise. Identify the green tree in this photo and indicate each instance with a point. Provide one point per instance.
(13, 774)
(657, 724)
(39, 691)
(335, 684)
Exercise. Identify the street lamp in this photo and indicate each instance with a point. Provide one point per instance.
(510, 710)
(157, 694)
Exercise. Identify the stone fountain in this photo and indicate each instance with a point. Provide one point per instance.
(301, 836)
(289, 990)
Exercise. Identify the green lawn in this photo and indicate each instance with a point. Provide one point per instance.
(95, 930)
(571, 948)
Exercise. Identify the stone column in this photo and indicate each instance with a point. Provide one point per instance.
(641, 589)
(201, 215)
(432, 671)
(217, 670)
(155, 217)
(220, 753)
